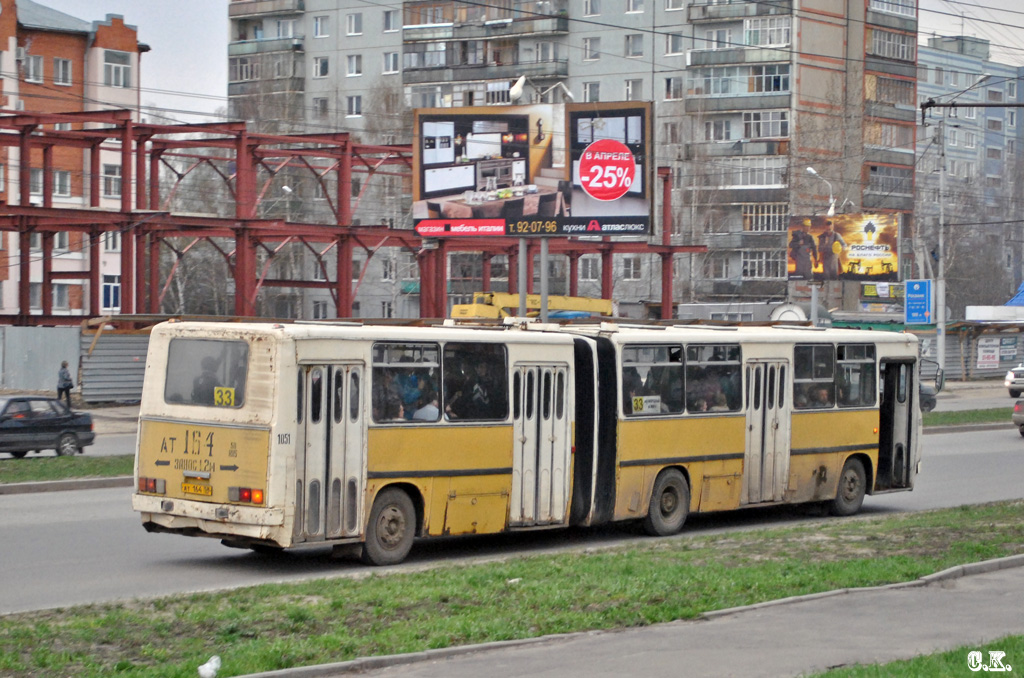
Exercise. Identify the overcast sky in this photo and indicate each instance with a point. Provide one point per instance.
(186, 70)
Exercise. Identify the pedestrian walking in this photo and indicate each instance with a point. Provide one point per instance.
(64, 383)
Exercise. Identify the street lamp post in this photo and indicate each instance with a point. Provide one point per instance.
(831, 212)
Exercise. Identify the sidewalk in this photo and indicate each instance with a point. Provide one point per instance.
(962, 607)
(118, 419)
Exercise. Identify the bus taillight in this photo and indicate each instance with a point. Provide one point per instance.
(246, 495)
(152, 485)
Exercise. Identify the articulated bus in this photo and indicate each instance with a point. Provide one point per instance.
(272, 436)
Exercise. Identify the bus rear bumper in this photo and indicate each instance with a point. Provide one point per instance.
(216, 520)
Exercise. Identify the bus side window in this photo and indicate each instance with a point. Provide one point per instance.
(475, 381)
(353, 397)
(339, 394)
(316, 395)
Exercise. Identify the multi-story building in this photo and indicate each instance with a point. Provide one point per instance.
(979, 141)
(746, 95)
(56, 63)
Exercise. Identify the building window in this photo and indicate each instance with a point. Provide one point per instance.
(674, 44)
(994, 125)
(35, 181)
(1011, 89)
(591, 91)
(590, 269)
(970, 112)
(716, 266)
(61, 241)
(889, 90)
(112, 241)
(387, 309)
(61, 71)
(674, 4)
(634, 5)
(717, 130)
(970, 140)
(670, 133)
(1011, 118)
(355, 65)
(718, 39)
(62, 183)
(321, 27)
(673, 88)
(733, 80)
(354, 24)
(320, 107)
(321, 67)
(391, 22)
(769, 78)
(754, 171)
(631, 267)
(765, 217)
(591, 7)
(591, 49)
(766, 125)
(770, 31)
(634, 90)
(892, 45)
(242, 69)
(994, 153)
(498, 93)
(354, 106)
(33, 68)
(111, 181)
(759, 265)
(904, 7)
(895, 137)
(390, 62)
(111, 292)
(319, 310)
(635, 45)
(117, 70)
(890, 180)
(286, 28)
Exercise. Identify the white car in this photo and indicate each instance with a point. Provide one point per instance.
(1015, 381)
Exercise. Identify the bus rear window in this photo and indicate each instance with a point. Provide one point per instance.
(208, 372)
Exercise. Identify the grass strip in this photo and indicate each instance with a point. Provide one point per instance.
(276, 626)
(951, 663)
(32, 469)
(997, 415)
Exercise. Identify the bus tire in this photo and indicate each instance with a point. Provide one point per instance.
(391, 528)
(670, 504)
(852, 487)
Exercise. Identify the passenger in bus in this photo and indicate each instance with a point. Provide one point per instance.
(821, 396)
(206, 383)
(428, 409)
(632, 386)
(387, 401)
(719, 404)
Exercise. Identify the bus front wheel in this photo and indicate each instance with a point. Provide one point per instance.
(852, 486)
(391, 528)
(670, 504)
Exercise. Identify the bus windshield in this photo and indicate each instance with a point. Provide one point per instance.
(206, 372)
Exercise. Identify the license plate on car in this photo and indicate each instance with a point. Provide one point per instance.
(196, 488)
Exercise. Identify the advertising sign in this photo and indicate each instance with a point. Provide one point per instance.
(917, 305)
(844, 247)
(988, 352)
(477, 168)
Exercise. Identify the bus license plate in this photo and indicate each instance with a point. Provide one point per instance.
(195, 488)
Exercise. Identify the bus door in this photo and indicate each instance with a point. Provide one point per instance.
(332, 468)
(766, 459)
(894, 436)
(542, 447)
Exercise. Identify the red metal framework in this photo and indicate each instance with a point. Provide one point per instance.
(247, 162)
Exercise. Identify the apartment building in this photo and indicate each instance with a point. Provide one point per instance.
(979, 143)
(746, 96)
(53, 62)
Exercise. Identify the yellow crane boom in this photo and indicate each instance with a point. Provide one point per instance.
(504, 305)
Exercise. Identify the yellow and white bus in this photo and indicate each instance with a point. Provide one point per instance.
(272, 436)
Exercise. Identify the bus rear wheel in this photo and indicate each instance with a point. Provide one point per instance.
(391, 528)
(670, 504)
(852, 486)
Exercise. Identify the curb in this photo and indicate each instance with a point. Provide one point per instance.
(355, 666)
(967, 428)
(61, 485)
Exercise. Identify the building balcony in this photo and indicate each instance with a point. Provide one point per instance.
(737, 55)
(737, 10)
(463, 73)
(245, 8)
(268, 86)
(265, 46)
(483, 30)
(740, 147)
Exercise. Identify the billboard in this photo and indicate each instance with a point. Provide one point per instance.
(535, 170)
(844, 247)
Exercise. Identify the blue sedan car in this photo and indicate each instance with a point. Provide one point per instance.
(34, 423)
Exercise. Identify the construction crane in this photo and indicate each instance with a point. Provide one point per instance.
(503, 305)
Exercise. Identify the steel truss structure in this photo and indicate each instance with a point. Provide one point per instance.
(247, 163)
